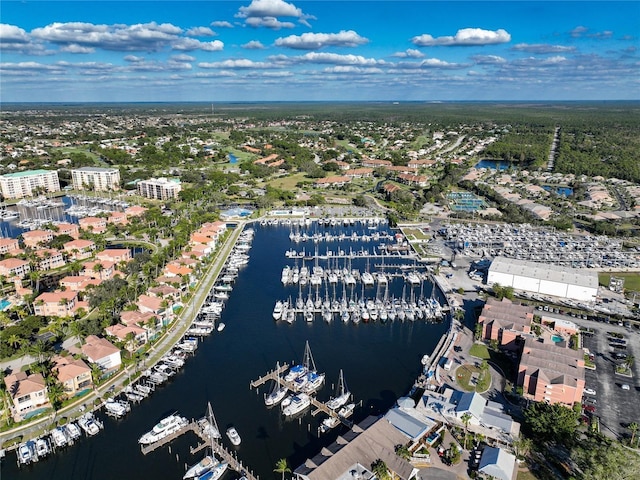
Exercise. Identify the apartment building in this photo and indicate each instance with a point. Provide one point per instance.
(96, 178)
(159, 188)
(29, 183)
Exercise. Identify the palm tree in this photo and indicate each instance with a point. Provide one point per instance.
(634, 429)
(465, 419)
(56, 394)
(403, 452)
(282, 466)
(15, 341)
(41, 350)
(522, 446)
(380, 469)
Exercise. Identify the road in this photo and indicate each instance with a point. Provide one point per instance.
(164, 344)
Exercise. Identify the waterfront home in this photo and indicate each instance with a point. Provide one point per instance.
(102, 352)
(208, 234)
(121, 332)
(135, 211)
(136, 317)
(79, 249)
(165, 291)
(73, 374)
(27, 392)
(175, 269)
(149, 304)
(101, 269)
(505, 322)
(36, 238)
(56, 304)
(78, 283)
(93, 224)
(9, 246)
(14, 267)
(551, 373)
(197, 251)
(115, 255)
(70, 229)
(49, 259)
(353, 453)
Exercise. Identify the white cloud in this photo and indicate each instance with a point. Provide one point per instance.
(12, 34)
(543, 48)
(133, 59)
(464, 37)
(200, 32)
(488, 59)
(221, 24)
(315, 41)
(334, 58)
(238, 63)
(578, 31)
(182, 58)
(350, 69)
(75, 48)
(254, 45)
(268, 22)
(409, 53)
(140, 37)
(190, 44)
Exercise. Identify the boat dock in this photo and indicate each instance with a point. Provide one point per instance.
(217, 447)
(320, 406)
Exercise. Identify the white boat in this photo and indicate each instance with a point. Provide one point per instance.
(215, 473)
(73, 432)
(347, 410)
(89, 424)
(277, 310)
(59, 437)
(277, 393)
(200, 468)
(314, 382)
(329, 423)
(342, 396)
(164, 428)
(295, 372)
(367, 279)
(208, 468)
(43, 448)
(234, 436)
(298, 403)
(116, 408)
(221, 326)
(27, 453)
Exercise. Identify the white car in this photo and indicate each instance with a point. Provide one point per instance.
(625, 386)
(589, 391)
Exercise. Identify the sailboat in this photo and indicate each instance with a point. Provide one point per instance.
(209, 468)
(343, 394)
(278, 391)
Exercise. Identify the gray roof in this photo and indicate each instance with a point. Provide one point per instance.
(472, 403)
(372, 439)
(410, 426)
(497, 463)
(496, 419)
(583, 277)
(95, 169)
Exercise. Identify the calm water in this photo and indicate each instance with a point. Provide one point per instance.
(494, 164)
(562, 191)
(380, 363)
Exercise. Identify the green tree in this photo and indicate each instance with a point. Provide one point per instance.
(465, 419)
(56, 394)
(380, 469)
(282, 466)
(633, 428)
(551, 422)
(403, 452)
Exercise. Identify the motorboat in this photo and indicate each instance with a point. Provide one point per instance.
(43, 448)
(27, 452)
(295, 372)
(59, 437)
(164, 428)
(234, 436)
(116, 408)
(221, 326)
(277, 310)
(73, 432)
(89, 424)
(329, 423)
(314, 382)
(298, 403)
(347, 410)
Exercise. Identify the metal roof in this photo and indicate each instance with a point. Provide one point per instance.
(574, 276)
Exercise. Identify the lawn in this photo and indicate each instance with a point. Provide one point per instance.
(526, 475)
(68, 150)
(480, 351)
(288, 182)
(416, 233)
(631, 280)
(464, 374)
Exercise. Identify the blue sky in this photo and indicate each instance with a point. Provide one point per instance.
(276, 50)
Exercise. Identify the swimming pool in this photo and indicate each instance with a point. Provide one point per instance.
(557, 338)
(4, 304)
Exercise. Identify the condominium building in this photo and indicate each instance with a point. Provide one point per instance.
(159, 188)
(29, 183)
(96, 178)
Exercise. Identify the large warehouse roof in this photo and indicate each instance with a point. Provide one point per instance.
(572, 276)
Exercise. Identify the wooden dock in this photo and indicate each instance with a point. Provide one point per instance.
(192, 426)
(320, 407)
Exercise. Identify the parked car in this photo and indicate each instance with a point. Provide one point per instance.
(625, 386)
(589, 391)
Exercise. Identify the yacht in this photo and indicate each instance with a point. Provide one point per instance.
(73, 432)
(347, 410)
(343, 394)
(164, 428)
(200, 468)
(215, 473)
(43, 448)
(59, 437)
(116, 408)
(277, 393)
(295, 372)
(27, 453)
(277, 310)
(89, 424)
(298, 403)
(234, 436)
(314, 382)
(329, 423)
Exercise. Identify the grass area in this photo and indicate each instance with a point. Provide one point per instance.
(480, 351)
(526, 475)
(464, 373)
(288, 182)
(631, 279)
(68, 150)
(416, 233)
(347, 145)
(242, 155)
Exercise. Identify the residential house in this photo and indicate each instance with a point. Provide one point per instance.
(333, 181)
(27, 392)
(49, 259)
(56, 304)
(413, 180)
(36, 238)
(78, 283)
(136, 317)
(73, 374)
(9, 246)
(117, 218)
(135, 211)
(372, 162)
(14, 267)
(102, 352)
(101, 269)
(115, 255)
(149, 304)
(505, 322)
(93, 224)
(421, 163)
(70, 229)
(360, 172)
(165, 291)
(79, 249)
(497, 463)
(551, 373)
(177, 269)
(122, 332)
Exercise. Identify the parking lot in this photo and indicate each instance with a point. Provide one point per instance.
(615, 406)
